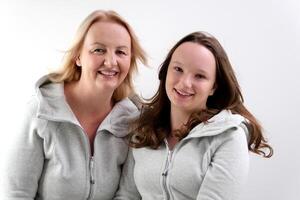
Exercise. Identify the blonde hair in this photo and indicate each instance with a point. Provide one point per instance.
(69, 70)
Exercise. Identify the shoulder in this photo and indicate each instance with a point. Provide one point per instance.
(235, 134)
(223, 129)
(233, 128)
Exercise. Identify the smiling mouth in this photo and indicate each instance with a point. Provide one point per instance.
(108, 73)
(183, 94)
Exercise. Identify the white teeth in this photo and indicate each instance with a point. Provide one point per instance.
(108, 73)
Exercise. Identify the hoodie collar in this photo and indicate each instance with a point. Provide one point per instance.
(218, 124)
(53, 106)
(118, 120)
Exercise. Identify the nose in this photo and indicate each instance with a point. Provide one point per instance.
(110, 59)
(186, 81)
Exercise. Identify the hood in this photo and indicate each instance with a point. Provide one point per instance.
(219, 123)
(53, 106)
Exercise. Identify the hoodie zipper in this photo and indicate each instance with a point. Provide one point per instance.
(92, 178)
(166, 171)
(91, 164)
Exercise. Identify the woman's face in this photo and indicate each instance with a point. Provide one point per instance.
(190, 77)
(105, 56)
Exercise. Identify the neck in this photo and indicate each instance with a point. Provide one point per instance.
(178, 118)
(88, 101)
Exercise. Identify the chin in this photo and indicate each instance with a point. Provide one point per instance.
(108, 85)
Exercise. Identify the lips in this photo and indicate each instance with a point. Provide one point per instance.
(183, 93)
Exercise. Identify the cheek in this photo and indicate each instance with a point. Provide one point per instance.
(92, 61)
(204, 90)
(171, 78)
(125, 65)
(169, 83)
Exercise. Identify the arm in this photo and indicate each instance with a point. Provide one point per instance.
(227, 173)
(25, 161)
(127, 189)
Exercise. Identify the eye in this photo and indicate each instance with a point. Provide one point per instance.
(178, 69)
(199, 76)
(99, 51)
(121, 52)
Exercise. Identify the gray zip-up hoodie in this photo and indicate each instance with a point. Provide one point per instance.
(52, 159)
(211, 163)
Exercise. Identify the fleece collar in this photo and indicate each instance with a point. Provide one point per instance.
(218, 124)
(54, 107)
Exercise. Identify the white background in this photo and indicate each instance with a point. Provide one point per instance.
(262, 39)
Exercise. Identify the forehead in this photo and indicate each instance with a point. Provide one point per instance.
(194, 55)
(108, 33)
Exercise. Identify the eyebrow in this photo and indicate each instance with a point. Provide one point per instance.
(177, 62)
(118, 47)
(202, 72)
(198, 70)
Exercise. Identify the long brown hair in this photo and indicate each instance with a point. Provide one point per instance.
(70, 72)
(153, 126)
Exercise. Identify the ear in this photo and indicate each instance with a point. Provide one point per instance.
(77, 61)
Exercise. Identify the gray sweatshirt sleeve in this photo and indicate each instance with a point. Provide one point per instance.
(127, 189)
(228, 170)
(25, 160)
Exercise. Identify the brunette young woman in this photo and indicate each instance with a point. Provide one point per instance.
(192, 139)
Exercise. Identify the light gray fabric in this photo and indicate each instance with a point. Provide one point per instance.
(211, 163)
(51, 159)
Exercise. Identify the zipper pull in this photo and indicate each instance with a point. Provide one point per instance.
(92, 180)
(165, 173)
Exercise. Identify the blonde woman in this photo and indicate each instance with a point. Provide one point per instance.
(71, 143)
